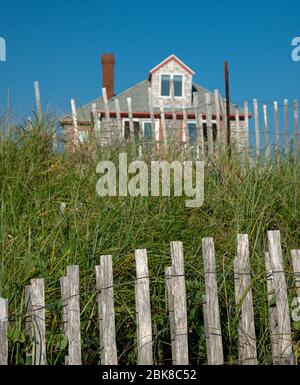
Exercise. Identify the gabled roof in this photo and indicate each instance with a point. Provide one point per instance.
(167, 60)
(140, 102)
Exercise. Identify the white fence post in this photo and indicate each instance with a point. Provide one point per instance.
(3, 331)
(244, 302)
(143, 309)
(106, 311)
(284, 326)
(212, 313)
(38, 321)
(180, 311)
(73, 316)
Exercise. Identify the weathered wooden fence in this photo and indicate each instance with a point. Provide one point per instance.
(256, 132)
(277, 296)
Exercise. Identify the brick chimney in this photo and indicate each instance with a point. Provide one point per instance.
(108, 62)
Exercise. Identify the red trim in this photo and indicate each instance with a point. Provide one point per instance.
(166, 61)
(80, 122)
(168, 115)
(146, 115)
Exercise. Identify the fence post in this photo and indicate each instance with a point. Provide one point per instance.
(97, 123)
(286, 127)
(38, 321)
(199, 123)
(119, 120)
(273, 315)
(3, 331)
(184, 124)
(130, 116)
(214, 333)
(237, 128)
(295, 254)
(143, 309)
(284, 326)
(244, 302)
(209, 129)
(180, 312)
(257, 133)
(38, 99)
(277, 132)
(266, 133)
(163, 123)
(201, 141)
(151, 111)
(65, 297)
(106, 311)
(224, 121)
(28, 316)
(106, 108)
(246, 126)
(296, 131)
(218, 119)
(173, 104)
(75, 139)
(73, 316)
(170, 301)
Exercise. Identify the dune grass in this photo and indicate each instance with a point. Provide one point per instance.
(38, 241)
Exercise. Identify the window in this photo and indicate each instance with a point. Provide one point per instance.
(214, 131)
(177, 79)
(192, 132)
(165, 85)
(136, 128)
(147, 130)
(83, 136)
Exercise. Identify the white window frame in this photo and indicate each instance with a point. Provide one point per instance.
(187, 128)
(124, 120)
(160, 79)
(82, 136)
(182, 96)
(171, 78)
(156, 127)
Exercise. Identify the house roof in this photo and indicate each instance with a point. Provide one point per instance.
(140, 103)
(167, 60)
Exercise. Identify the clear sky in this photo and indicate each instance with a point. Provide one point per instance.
(59, 43)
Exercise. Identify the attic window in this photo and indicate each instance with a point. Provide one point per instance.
(165, 85)
(177, 79)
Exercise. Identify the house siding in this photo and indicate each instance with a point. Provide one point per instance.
(110, 135)
(172, 68)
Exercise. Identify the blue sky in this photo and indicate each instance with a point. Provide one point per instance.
(59, 43)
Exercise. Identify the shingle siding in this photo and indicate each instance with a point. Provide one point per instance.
(172, 68)
(140, 103)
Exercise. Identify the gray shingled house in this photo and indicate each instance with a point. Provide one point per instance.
(168, 97)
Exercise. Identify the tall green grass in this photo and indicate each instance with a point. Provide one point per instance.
(37, 240)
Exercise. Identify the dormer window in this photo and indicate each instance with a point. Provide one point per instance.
(178, 86)
(165, 88)
(165, 85)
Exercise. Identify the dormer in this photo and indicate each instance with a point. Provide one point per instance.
(171, 83)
